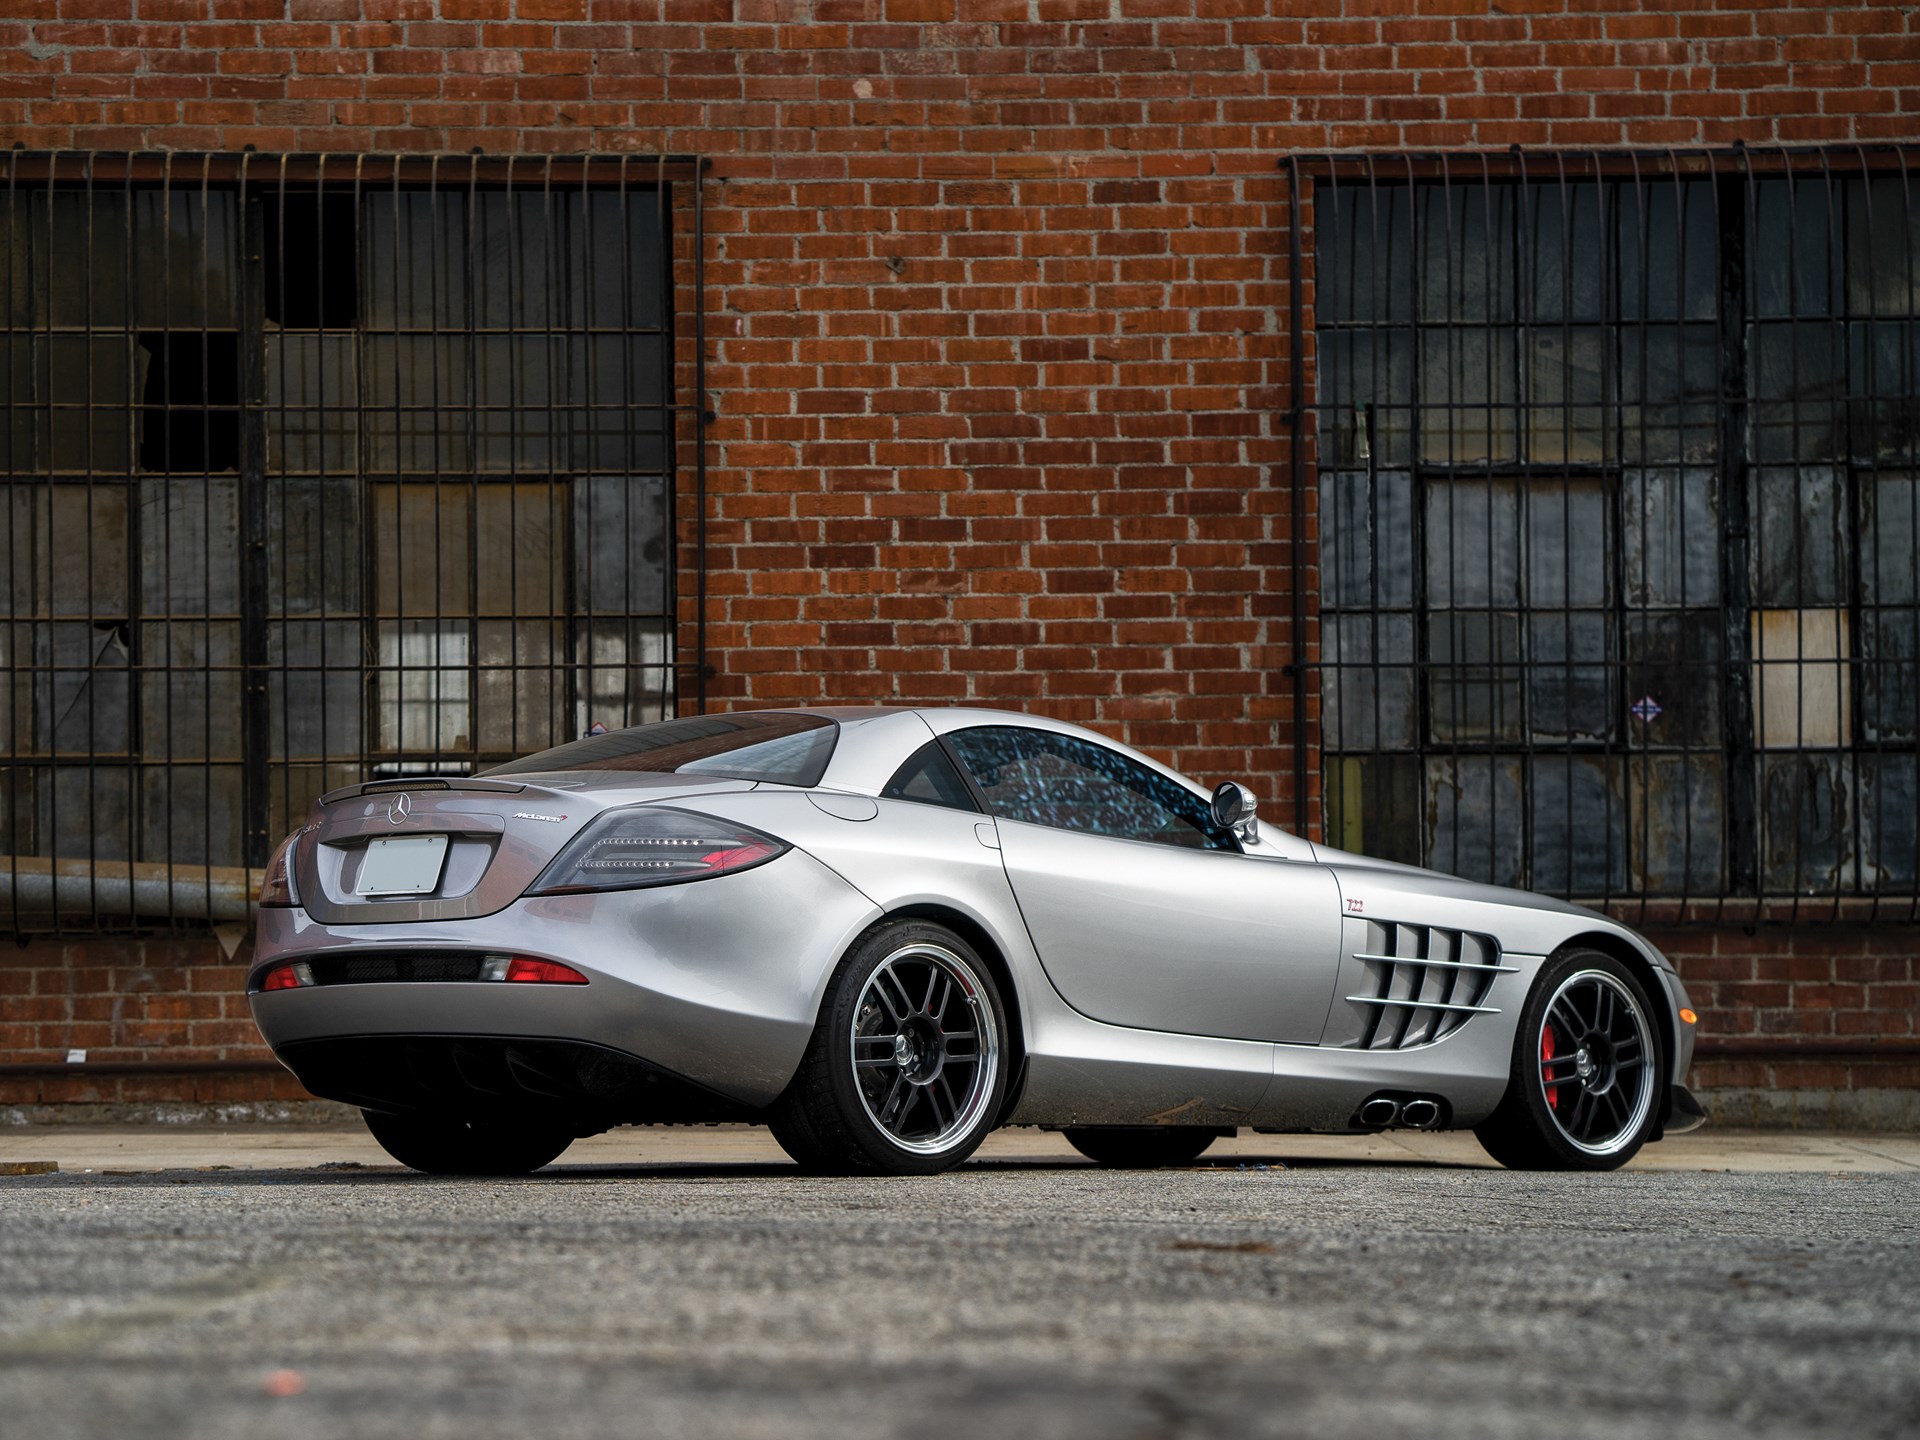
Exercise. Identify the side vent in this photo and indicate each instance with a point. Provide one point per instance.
(1421, 983)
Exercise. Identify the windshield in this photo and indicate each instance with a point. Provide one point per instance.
(782, 749)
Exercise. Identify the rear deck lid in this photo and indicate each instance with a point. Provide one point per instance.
(467, 847)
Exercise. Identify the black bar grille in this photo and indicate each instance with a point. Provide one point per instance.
(321, 468)
(1620, 521)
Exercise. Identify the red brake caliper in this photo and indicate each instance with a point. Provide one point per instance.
(1546, 1054)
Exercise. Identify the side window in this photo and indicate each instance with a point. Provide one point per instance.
(929, 777)
(1073, 784)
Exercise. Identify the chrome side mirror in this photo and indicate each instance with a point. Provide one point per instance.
(1233, 807)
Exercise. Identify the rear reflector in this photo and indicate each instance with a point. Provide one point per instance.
(287, 977)
(542, 972)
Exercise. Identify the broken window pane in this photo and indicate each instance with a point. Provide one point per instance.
(1579, 825)
(1800, 541)
(312, 278)
(1475, 817)
(1368, 699)
(1473, 544)
(1475, 676)
(83, 688)
(1361, 369)
(1670, 522)
(1361, 519)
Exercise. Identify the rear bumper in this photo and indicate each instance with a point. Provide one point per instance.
(717, 981)
(588, 1087)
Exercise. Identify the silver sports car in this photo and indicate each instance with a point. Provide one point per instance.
(884, 932)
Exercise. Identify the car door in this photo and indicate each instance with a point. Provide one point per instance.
(1142, 913)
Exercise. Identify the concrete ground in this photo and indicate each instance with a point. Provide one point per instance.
(109, 1149)
(683, 1283)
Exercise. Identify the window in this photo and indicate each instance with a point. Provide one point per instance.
(1042, 778)
(1617, 479)
(929, 778)
(317, 471)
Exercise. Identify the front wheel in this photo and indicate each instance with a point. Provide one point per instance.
(1121, 1147)
(1585, 1084)
(907, 1067)
(441, 1146)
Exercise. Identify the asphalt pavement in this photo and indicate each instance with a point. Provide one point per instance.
(689, 1283)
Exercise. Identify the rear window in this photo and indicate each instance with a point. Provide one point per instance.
(781, 749)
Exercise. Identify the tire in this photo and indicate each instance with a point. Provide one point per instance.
(1584, 1090)
(908, 1064)
(1142, 1148)
(440, 1146)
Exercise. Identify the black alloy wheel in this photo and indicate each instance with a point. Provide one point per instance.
(1587, 1066)
(908, 1064)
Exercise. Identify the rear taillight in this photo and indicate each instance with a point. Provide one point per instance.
(521, 970)
(276, 891)
(292, 976)
(652, 845)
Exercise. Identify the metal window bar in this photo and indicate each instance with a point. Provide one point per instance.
(320, 468)
(1618, 467)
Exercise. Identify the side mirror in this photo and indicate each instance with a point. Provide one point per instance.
(1233, 809)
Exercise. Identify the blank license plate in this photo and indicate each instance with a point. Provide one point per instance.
(406, 865)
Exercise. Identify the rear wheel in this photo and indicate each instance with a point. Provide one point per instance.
(1143, 1148)
(907, 1067)
(1586, 1071)
(441, 1146)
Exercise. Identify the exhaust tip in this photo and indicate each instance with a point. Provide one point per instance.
(1379, 1113)
(1420, 1114)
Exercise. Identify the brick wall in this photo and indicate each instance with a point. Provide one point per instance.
(997, 312)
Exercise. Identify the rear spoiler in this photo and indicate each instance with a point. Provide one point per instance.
(420, 782)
